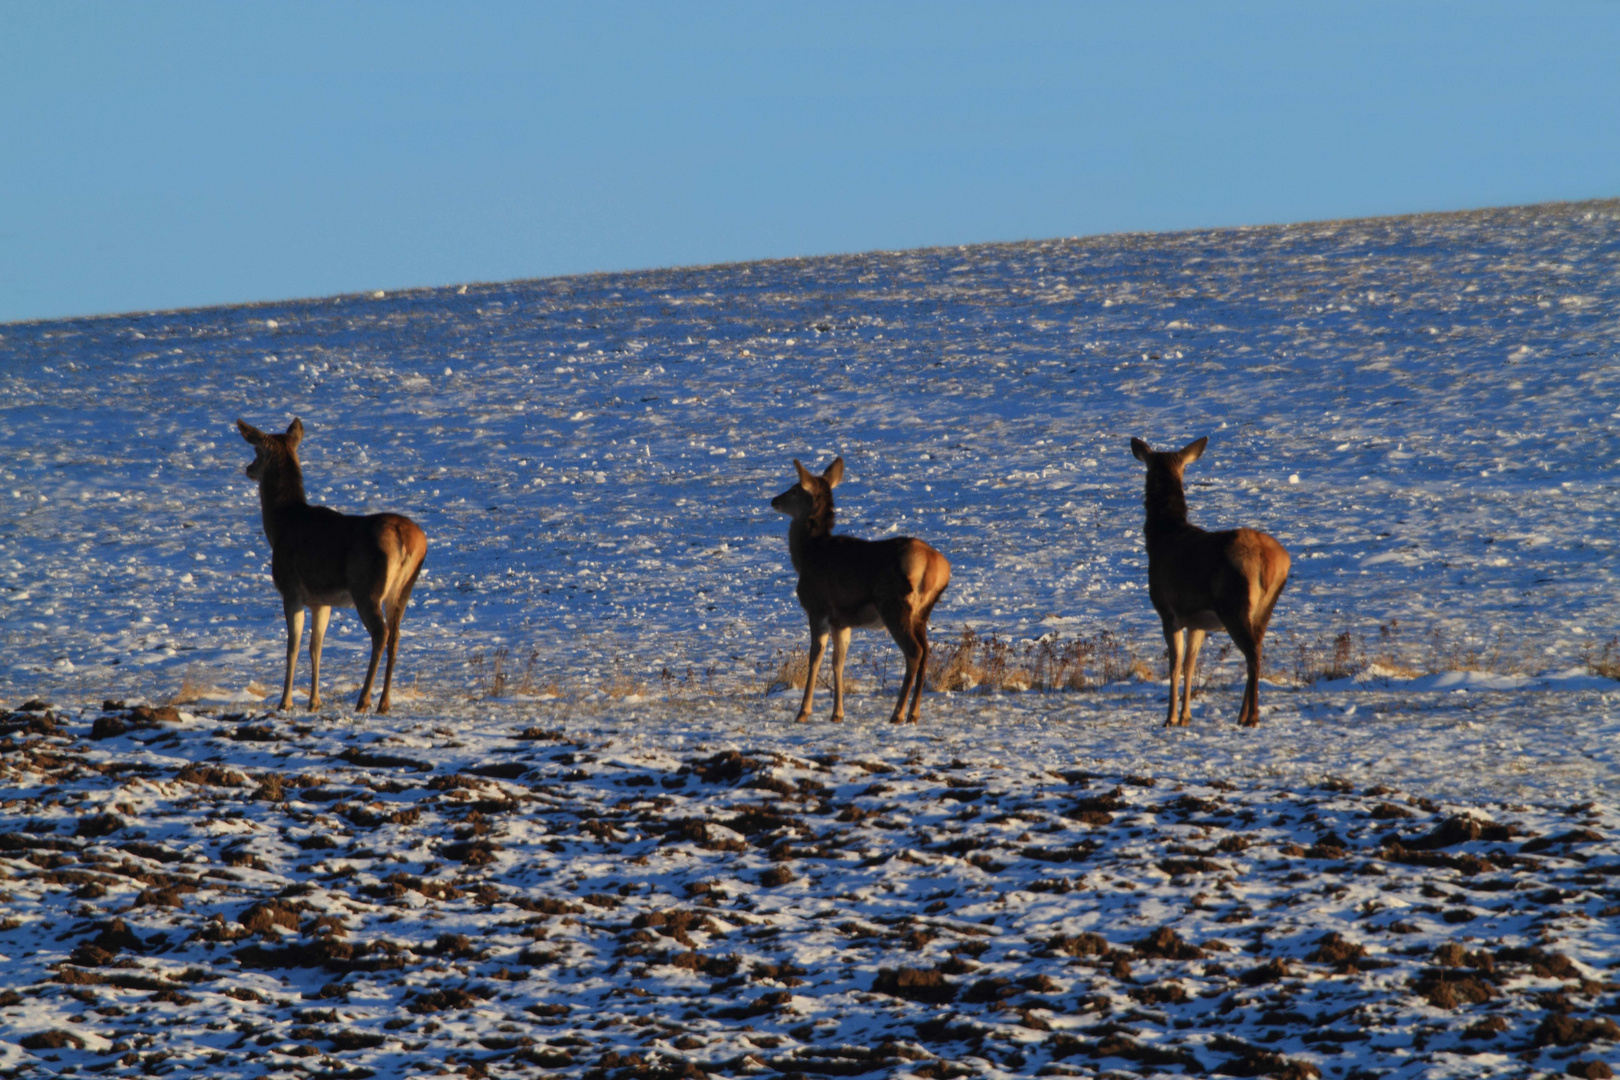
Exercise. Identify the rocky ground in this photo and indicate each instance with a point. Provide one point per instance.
(544, 890)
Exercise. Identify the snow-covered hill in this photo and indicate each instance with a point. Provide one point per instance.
(1425, 410)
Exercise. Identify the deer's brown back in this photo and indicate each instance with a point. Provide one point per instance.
(1193, 570)
(843, 577)
(322, 555)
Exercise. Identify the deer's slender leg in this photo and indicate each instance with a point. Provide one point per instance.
(396, 615)
(921, 632)
(840, 645)
(1260, 621)
(818, 645)
(1251, 688)
(1173, 639)
(391, 644)
(317, 631)
(1243, 638)
(295, 631)
(371, 615)
(396, 612)
(900, 623)
(920, 625)
(1195, 641)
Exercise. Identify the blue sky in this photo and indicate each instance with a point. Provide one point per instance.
(164, 154)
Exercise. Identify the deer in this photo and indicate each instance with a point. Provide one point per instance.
(1202, 581)
(846, 582)
(319, 557)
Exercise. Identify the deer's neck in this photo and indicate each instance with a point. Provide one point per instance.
(279, 490)
(806, 531)
(1166, 505)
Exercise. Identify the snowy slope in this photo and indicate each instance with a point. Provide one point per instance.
(1425, 410)
(592, 457)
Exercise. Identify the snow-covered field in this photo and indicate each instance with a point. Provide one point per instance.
(664, 874)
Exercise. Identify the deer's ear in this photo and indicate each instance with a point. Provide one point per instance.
(1140, 449)
(295, 433)
(252, 434)
(834, 472)
(1193, 450)
(805, 475)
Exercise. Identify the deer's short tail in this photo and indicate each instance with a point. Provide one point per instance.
(1274, 569)
(927, 570)
(404, 548)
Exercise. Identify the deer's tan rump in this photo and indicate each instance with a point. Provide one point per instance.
(1198, 574)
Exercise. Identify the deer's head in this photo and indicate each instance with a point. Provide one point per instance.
(811, 498)
(1168, 464)
(1164, 468)
(271, 450)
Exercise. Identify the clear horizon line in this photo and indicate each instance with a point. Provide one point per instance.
(370, 293)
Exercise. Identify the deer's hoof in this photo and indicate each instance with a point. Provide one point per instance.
(837, 718)
(803, 718)
(382, 708)
(286, 703)
(363, 705)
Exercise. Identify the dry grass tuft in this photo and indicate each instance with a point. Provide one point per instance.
(1347, 654)
(493, 676)
(971, 662)
(992, 664)
(1448, 654)
(489, 673)
(193, 688)
(693, 682)
(1603, 661)
(623, 685)
(1047, 664)
(793, 667)
(1342, 656)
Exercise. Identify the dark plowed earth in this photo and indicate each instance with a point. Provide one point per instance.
(630, 904)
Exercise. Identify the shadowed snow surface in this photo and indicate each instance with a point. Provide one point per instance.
(660, 891)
